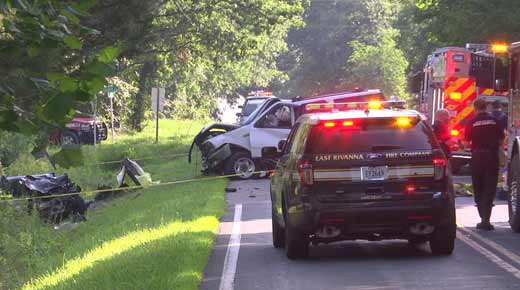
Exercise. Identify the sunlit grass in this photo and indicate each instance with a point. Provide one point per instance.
(154, 238)
(110, 249)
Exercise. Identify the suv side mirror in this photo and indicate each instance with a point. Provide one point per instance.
(281, 145)
(270, 153)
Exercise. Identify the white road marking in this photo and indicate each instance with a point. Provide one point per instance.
(510, 255)
(489, 255)
(231, 259)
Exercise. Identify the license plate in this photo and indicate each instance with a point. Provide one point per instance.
(374, 173)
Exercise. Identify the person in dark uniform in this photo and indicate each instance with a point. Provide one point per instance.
(441, 130)
(499, 114)
(485, 134)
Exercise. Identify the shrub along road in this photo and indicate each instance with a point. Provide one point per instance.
(481, 261)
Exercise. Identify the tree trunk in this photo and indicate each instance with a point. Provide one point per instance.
(146, 72)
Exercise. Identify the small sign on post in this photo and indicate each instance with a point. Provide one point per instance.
(157, 106)
(111, 91)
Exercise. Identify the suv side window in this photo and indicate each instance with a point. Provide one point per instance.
(278, 117)
(300, 140)
(290, 138)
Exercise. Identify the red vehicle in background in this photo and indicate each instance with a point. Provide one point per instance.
(80, 130)
(454, 77)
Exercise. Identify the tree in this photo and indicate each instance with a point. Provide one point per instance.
(378, 66)
(317, 61)
(46, 68)
(198, 50)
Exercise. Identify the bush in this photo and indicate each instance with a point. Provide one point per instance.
(11, 145)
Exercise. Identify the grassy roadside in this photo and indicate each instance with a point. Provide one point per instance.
(155, 238)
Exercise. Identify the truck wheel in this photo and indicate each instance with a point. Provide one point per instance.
(242, 164)
(442, 241)
(69, 137)
(278, 232)
(514, 195)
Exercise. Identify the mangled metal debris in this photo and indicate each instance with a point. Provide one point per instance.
(53, 196)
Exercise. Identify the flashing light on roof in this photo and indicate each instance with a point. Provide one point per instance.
(374, 105)
(455, 96)
(499, 48)
(403, 122)
(329, 124)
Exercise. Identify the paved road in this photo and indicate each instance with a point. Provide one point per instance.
(244, 258)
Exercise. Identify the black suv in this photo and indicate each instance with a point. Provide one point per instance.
(361, 173)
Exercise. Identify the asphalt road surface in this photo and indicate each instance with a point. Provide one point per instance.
(244, 258)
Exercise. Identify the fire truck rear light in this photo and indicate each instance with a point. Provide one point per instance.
(329, 124)
(456, 96)
(348, 123)
(439, 168)
(454, 132)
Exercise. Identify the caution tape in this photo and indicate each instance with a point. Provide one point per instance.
(145, 158)
(92, 192)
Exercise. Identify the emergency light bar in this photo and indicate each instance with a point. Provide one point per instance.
(372, 105)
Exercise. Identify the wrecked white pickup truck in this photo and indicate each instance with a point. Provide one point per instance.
(237, 149)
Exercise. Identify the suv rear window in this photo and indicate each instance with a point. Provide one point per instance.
(371, 135)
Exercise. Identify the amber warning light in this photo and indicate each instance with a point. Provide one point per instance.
(499, 48)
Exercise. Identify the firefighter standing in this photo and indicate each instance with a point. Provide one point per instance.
(486, 135)
(441, 130)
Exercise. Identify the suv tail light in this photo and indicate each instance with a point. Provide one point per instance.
(439, 167)
(305, 171)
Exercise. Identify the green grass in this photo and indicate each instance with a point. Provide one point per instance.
(154, 238)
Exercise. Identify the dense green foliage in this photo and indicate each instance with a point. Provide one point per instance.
(343, 45)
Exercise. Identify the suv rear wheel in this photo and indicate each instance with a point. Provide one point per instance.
(296, 244)
(442, 241)
(241, 164)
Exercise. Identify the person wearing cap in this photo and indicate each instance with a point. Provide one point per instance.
(441, 130)
(485, 135)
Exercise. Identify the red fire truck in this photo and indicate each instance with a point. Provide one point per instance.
(513, 176)
(454, 77)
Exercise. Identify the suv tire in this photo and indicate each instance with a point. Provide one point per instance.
(442, 241)
(69, 137)
(278, 232)
(238, 163)
(514, 194)
(296, 244)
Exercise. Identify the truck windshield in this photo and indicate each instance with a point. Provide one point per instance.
(251, 105)
(258, 110)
